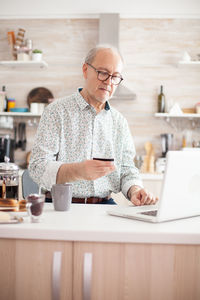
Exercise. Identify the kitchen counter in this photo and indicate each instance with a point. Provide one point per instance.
(92, 223)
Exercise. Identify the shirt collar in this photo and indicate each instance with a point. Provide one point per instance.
(83, 104)
(107, 106)
(80, 100)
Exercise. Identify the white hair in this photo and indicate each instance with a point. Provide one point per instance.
(93, 52)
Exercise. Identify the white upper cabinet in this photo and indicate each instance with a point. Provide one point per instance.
(88, 8)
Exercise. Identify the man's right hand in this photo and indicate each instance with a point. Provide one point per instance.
(93, 169)
(85, 170)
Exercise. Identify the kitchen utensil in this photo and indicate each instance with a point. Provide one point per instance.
(28, 155)
(9, 179)
(167, 143)
(39, 95)
(19, 143)
(15, 136)
(21, 136)
(24, 136)
(149, 158)
(7, 146)
(148, 147)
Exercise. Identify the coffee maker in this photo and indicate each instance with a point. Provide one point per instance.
(167, 143)
(7, 147)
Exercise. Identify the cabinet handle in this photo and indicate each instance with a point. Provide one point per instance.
(57, 258)
(87, 276)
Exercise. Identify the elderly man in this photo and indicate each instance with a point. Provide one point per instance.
(75, 129)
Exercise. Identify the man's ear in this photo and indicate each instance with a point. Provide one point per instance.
(84, 69)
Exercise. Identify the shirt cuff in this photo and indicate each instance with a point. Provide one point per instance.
(130, 183)
(50, 174)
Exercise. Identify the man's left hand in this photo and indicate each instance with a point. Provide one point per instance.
(140, 196)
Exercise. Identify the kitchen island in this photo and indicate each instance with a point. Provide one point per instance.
(72, 254)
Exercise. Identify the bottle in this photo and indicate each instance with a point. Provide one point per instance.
(184, 143)
(29, 45)
(2, 101)
(161, 101)
(6, 99)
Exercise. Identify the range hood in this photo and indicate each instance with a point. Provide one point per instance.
(109, 34)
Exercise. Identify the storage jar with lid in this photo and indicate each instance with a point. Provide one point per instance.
(9, 180)
(10, 103)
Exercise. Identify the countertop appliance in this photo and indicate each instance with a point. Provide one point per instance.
(167, 143)
(9, 180)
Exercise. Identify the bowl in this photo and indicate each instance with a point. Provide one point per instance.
(19, 109)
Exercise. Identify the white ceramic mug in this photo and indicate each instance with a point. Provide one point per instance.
(37, 108)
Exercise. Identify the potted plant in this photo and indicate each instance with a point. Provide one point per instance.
(37, 55)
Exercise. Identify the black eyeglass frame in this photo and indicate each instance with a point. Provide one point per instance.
(109, 75)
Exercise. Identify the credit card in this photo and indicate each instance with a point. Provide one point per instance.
(103, 159)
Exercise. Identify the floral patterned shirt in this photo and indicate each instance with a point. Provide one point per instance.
(70, 131)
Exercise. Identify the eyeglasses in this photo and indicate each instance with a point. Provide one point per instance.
(103, 76)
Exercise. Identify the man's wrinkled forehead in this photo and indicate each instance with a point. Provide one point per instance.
(107, 59)
(107, 52)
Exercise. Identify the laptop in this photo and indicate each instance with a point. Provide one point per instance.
(180, 192)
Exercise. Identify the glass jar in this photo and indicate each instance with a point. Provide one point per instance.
(9, 180)
(23, 53)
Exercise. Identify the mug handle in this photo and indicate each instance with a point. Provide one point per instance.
(52, 194)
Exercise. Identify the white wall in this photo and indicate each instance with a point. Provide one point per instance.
(126, 8)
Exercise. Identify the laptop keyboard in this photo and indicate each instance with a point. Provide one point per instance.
(150, 213)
